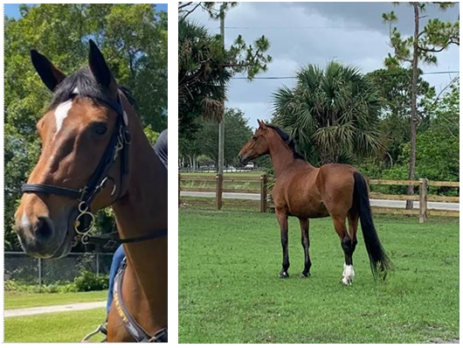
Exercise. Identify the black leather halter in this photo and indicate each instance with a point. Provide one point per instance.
(118, 144)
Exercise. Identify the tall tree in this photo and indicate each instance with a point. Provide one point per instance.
(423, 45)
(237, 133)
(205, 67)
(332, 113)
(394, 89)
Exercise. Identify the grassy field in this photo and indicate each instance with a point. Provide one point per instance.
(15, 300)
(56, 327)
(229, 290)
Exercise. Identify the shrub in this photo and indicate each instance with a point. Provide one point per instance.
(89, 281)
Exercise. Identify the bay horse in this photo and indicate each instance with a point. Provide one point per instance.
(95, 154)
(306, 192)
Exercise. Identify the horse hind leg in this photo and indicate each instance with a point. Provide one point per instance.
(305, 241)
(351, 243)
(348, 243)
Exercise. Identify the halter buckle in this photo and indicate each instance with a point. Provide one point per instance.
(84, 192)
(119, 147)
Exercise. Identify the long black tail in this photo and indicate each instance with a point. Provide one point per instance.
(379, 261)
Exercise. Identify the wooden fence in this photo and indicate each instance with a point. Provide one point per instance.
(258, 185)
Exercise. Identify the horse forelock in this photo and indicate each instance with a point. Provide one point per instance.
(83, 83)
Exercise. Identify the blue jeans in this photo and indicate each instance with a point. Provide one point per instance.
(115, 265)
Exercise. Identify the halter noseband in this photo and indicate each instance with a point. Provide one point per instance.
(119, 143)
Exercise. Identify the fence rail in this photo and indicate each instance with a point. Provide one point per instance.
(259, 185)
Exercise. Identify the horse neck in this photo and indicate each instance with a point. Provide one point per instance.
(282, 156)
(143, 210)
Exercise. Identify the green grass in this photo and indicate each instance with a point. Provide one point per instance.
(229, 290)
(15, 300)
(56, 327)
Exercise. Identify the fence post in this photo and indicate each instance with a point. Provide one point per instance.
(179, 188)
(263, 193)
(40, 272)
(423, 200)
(97, 264)
(218, 191)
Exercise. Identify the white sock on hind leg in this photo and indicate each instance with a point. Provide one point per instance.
(348, 274)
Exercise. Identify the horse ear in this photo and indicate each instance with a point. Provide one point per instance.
(50, 75)
(100, 69)
(261, 124)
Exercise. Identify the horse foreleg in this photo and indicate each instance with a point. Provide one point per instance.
(283, 221)
(348, 246)
(305, 241)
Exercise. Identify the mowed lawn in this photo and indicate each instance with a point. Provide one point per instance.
(229, 290)
(15, 300)
(53, 327)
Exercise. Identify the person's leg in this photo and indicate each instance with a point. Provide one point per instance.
(115, 265)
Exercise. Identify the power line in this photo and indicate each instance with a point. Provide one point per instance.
(303, 27)
(295, 77)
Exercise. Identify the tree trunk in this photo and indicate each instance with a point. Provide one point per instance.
(413, 116)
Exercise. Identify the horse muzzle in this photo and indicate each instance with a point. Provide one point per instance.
(243, 159)
(42, 239)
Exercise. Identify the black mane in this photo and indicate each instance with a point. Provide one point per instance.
(288, 140)
(86, 85)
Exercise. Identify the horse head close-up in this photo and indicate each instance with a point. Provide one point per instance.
(80, 168)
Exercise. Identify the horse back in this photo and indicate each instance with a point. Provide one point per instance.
(310, 192)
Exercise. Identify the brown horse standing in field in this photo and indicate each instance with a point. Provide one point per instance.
(305, 191)
(94, 155)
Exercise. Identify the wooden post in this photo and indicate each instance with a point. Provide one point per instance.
(218, 191)
(179, 188)
(423, 200)
(263, 193)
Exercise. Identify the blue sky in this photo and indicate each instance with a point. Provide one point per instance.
(12, 10)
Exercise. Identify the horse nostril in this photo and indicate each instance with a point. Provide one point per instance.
(43, 230)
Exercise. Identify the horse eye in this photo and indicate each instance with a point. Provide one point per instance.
(100, 129)
(254, 137)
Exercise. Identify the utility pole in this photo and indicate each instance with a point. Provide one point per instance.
(220, 162)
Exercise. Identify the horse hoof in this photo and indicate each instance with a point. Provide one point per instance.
(304, 275)
(283, 275)
(346, 281)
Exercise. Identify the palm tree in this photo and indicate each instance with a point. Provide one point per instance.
(331, 113)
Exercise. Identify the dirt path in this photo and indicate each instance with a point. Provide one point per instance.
(53, 309)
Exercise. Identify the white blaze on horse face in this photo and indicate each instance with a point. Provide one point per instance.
(61, 113)
(348, 274)
(25, 223)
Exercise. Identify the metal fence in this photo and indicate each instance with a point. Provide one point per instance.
(21, 267)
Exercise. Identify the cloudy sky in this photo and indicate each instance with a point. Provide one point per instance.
(315, 33)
